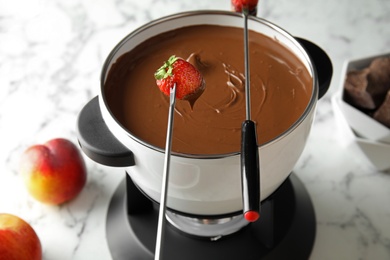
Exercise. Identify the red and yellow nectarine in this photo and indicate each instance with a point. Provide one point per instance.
(54, 172)
(18, 240)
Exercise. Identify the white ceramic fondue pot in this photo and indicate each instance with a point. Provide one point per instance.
(205, 185)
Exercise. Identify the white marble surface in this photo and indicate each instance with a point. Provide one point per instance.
(51, 53)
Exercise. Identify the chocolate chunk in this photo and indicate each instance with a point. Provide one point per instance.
(382, 115)
(379, 79)
(355, 86)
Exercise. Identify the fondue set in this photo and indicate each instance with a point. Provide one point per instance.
(204, 202)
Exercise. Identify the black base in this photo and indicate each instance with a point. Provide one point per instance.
(285, 230)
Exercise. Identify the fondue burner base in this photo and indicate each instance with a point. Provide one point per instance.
(286, 229)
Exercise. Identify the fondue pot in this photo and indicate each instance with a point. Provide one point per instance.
(201, 186)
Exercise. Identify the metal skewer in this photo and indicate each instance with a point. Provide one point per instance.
(250, 169)
(165, 180)
(247, 67)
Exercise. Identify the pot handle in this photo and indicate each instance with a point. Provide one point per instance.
(322, 64)
(97, 141)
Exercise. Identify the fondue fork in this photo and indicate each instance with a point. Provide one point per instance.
(250, 169)
(165, 179)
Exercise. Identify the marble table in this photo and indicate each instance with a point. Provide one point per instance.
(51, 53)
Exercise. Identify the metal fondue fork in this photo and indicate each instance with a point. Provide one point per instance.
(250, 169)
(164, 189)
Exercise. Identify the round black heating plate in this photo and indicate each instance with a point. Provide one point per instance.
(286, 229)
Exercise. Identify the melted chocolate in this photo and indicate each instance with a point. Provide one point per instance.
(281, 88)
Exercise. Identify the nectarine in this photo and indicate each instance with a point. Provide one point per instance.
(18, 240)
(54, 172)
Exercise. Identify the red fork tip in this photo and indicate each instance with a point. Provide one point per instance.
(251, 215)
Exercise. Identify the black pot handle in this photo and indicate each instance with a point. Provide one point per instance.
(322, 65)
(97, 141)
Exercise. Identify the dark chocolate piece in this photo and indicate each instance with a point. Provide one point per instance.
(382, 115)
(379, 79)
(355, 86)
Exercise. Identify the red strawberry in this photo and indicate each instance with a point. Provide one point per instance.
(239, 5)
(189, 82)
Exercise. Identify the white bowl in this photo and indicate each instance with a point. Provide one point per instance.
(364, 125)
(205, 184)
(378, 153)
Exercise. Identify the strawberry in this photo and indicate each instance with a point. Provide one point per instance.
(189, 82)
(250, 5)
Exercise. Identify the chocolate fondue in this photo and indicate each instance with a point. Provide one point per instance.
(281, 88)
